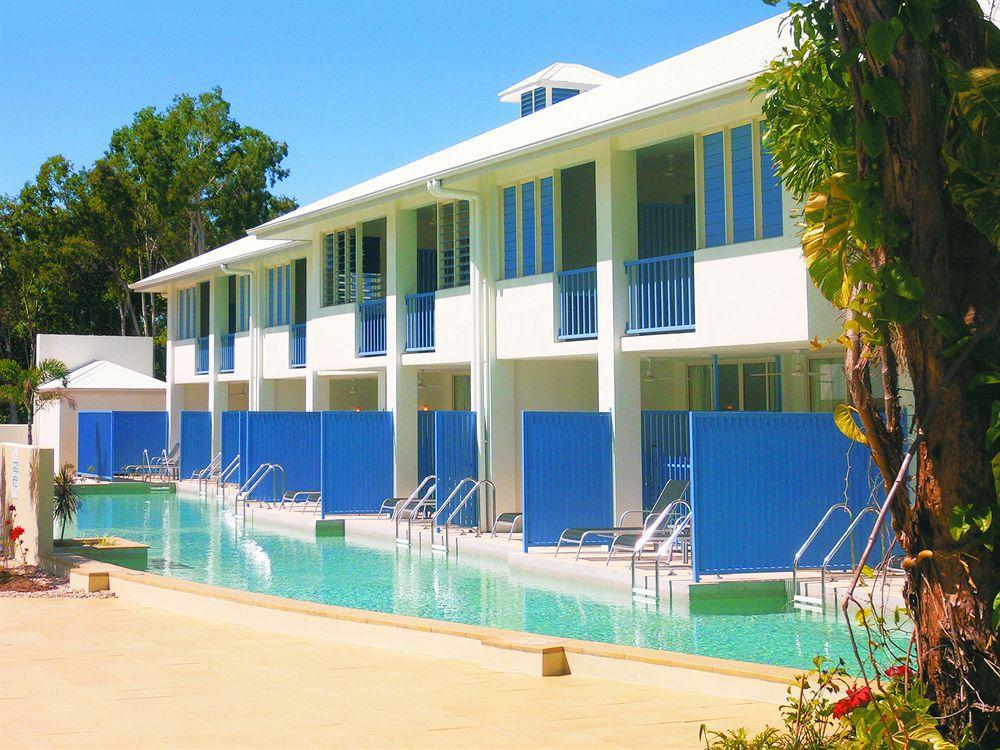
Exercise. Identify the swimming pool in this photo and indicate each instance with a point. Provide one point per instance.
(195, 540)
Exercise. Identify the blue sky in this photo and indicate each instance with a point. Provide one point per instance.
(353, 88)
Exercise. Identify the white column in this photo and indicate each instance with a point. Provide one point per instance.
(619, 385)
(317, 392)
(400, 385)
(218, 321)
(175, 391)
(504, 420)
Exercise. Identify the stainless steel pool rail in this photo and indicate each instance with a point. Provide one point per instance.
(448, 523)
(413, 505)
(207, 474)
(225, 475)
(681, 534)
(801, 601)
(261, 473)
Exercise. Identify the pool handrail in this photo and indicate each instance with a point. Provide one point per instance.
(225, 474)
(412, 504)
(667, 547)
(474, 491)
(441, 507)
(825, 568)
(654, 525)
(259, 476)
(812, 537)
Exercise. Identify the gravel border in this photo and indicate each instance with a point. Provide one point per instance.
(56, 587)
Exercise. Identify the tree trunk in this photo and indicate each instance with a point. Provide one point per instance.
(951, 586)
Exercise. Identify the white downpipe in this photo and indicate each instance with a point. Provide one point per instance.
(253, 385)
(478, 281)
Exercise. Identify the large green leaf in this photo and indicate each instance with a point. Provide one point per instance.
(843, 417)
(884, 95)
(921, 18)
(902, 282)
(882, 36)
(872, 137)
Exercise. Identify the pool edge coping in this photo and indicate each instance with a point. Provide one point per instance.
(94, 575)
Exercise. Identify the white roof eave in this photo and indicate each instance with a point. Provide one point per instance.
(632, 119)
(159, 281)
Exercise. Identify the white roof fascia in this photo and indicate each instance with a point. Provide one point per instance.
(639, 118)
(206, 262)
(743, 54)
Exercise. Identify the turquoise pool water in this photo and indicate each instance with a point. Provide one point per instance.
(194, 540)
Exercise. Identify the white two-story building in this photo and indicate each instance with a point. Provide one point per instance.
(622, 245)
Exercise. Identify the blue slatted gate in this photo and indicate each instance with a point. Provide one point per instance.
(196, 441)
(357, 461)
(93, 452)
(760, 483)
(456, 456)
(230, 443)
(666, 451)
(566, 474)
(291, 439)
(135, 434)
(425, 444)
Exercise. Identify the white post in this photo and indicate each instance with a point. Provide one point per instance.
(619, 385)
(400, 383)
(175, 391)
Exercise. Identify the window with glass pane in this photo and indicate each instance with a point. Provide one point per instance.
(758, 386)
(700, 395)
(828, 384)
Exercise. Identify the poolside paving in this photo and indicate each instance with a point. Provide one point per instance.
(81, 673)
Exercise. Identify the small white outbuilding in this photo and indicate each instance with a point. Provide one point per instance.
(106, 372)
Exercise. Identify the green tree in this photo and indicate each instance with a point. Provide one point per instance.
(22, 386)
(884, 118)
(171, 184)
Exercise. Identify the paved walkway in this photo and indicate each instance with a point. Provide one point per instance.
(113, 674)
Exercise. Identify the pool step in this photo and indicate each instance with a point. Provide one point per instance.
(807, 603)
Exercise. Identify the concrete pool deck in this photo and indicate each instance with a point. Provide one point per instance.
(112, 673)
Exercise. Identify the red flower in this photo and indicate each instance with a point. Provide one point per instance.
(856, 698)
(16, 532)
(900, 671)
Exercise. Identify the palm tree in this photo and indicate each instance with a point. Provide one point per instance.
(65, 498)
(22, 385)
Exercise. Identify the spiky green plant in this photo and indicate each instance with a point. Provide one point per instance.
(65, 498)
(23, 386)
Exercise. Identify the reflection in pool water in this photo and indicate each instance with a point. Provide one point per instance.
(192, 539)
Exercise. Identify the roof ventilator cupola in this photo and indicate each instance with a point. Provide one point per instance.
(551, 85)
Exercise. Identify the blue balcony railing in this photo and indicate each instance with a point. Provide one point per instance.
(371, 328)
(226, 357)
(660, 294)
(420, 322)
(297, 345)
(201, 355)
(578, 304)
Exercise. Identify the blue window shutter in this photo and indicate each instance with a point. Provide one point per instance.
(527, 228)
(546, 222)
(741, 149)
(715, 190)
(279, 305)
(270, 297)
(526, 104)
(539, 99)
(561, 95)
(770, 195)
(288, 295)
(509, 232)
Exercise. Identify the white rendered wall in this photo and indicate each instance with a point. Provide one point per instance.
(527, 320)
(14, 433)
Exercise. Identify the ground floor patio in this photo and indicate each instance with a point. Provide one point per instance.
(111, 673)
